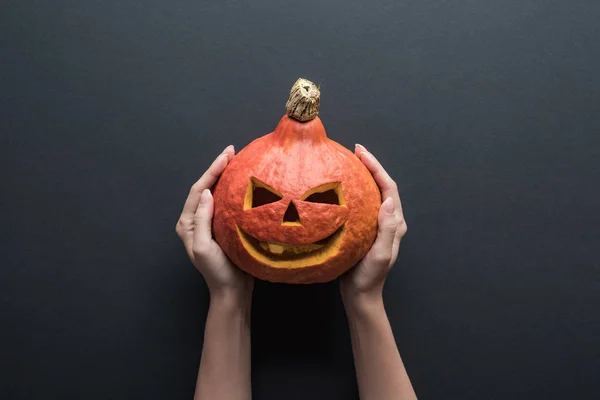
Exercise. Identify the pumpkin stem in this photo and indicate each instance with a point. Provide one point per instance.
(304, 100)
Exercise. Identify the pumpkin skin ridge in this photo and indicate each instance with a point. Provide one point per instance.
(309, 159)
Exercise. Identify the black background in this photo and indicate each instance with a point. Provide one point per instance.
(486, 113)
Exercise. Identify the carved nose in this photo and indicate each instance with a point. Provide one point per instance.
(291, 215)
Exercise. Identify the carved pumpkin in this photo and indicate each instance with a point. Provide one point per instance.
(294, 206)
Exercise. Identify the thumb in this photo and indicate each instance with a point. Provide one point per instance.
(202, 223)
(382, 249)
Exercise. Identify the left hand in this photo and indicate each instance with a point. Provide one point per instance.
(194, 229)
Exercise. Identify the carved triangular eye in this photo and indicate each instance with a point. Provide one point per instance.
(327, 197)
(329, 193)
(259, 193)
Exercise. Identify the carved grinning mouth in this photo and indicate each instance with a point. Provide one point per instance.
(283, 255)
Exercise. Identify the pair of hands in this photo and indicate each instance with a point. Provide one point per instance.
(364, 281)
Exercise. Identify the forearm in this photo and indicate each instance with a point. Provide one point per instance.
(224, 372)
(379, 369)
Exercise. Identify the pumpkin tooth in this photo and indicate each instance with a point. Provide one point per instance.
(303, 248)
(280, 248)
(275, 248)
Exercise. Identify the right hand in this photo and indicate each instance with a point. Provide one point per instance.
(366, 279)
(194, 229)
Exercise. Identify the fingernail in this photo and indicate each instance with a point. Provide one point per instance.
(205, 196)
(360, 147)
(388, 205)
(230, 147)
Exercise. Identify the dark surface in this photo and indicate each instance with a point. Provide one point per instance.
(487, 113)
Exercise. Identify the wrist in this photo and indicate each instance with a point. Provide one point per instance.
(363, 303)
(231, 299)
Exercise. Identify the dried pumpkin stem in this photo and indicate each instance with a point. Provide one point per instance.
(304, 100)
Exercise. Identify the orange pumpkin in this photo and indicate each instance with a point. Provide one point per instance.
(294, 206)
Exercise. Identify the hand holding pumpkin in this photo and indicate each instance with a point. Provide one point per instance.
(296, 207)
(366, 279)
(194, 230)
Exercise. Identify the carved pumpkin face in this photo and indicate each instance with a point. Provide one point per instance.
(294, 206)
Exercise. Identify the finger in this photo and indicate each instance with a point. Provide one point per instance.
(382, 250)
(386, 184)
(207, 180)
(388, 188)
(202, 224)
(230, 152)
(384, 181)
(359, 148)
